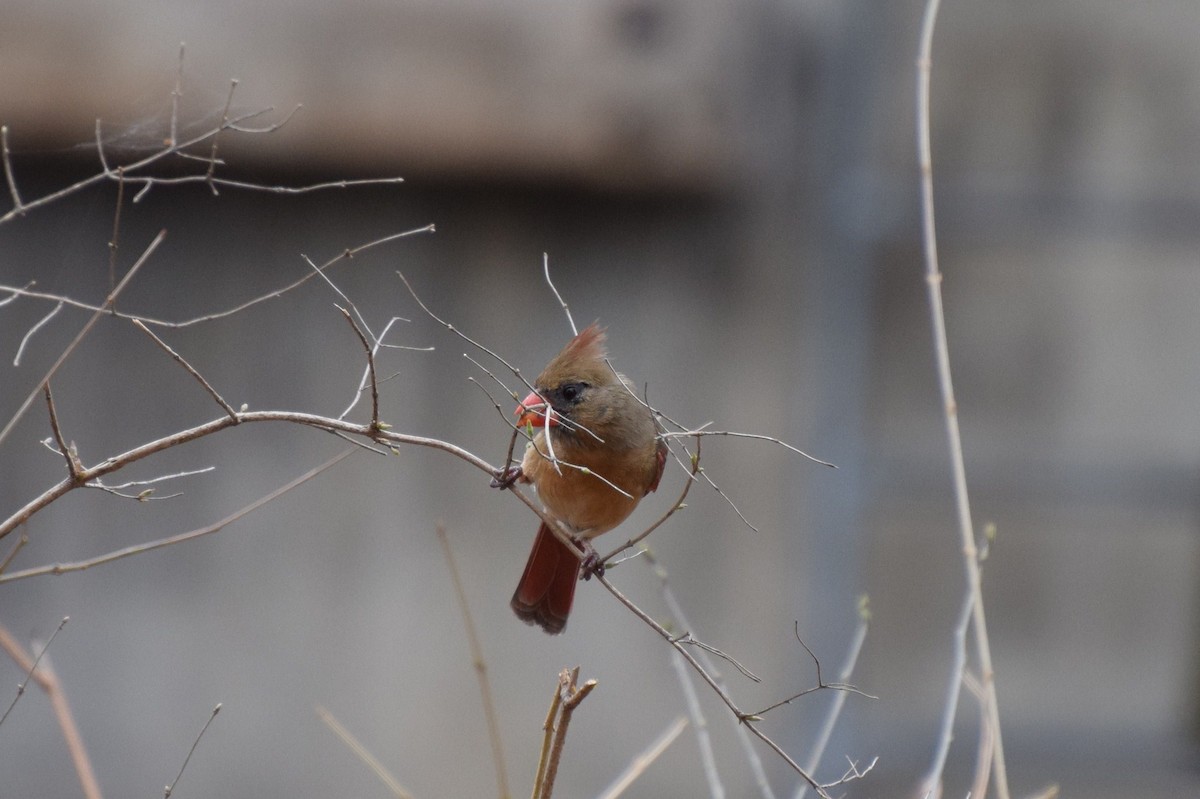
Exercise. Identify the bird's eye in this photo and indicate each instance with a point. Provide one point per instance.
(571, 391)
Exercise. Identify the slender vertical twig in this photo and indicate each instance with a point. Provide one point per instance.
(933, 277)
(212, 156)
(485, 686)
(557, 296)
(839, 699)
(114, 243)
(176, 95)
(547, 741)
(8, 171)
(74, 467)
(573, 694)
(170, 788)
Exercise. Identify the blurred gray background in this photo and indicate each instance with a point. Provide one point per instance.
(731, 187)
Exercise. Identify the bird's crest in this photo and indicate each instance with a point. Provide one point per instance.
(582, 358)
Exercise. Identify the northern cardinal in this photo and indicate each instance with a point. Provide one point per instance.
(592, 430)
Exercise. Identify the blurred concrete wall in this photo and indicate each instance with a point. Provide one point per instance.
(731, 187)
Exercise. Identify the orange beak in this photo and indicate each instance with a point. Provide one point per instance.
(533, 411)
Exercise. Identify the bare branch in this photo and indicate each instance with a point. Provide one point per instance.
(368, 378)
(74, 467)
(170, 788)
(133, 270)
(375, 423)
(32, 668)
(644, 760)
(176, 95)
(571, 694)
(179, 359)
(679, 503)
(687, 639)
(485, 686)
(756, 436)
(931, 784)
(853, 772)
(212, 156)
(820, 686)
(680, 619)
(18, 206)
(746, 719)
(29, 334)
(363, 754)
(515, 371)
(933, 278)
(557, 296)
(15, 293)
(137, 549)
(46, 679)
(12, 553)
(839, 698)
(115, 242)
(346, 254)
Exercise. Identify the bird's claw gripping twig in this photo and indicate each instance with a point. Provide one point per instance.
(591, 564)
(506, 479)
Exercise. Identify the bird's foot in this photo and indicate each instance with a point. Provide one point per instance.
(506, 478)
(591, 563)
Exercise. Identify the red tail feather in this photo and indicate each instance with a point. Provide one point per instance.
(544, 595)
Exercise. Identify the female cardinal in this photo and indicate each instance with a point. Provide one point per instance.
(594, 436)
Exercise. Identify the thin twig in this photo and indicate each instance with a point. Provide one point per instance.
(821, 685)
(176, 95)
(476, 648)
(18, 206)
(32, 668)
(363, 754)
(839, 698)
(756, 436)
(746, 720)
(179, 359)
(133, 270)
(375, 423)
(15, 293)
(212, 156)
(573, 694)
(344, 255)
(326, 424)
(547, 741)
(114, 243)
(752, 759)
(688, 639)
(557, 296)
(48, 681)
(515, 371)
(74, 467)
(29, 334)
(137, 549)
(679, 503)
(931, 784)
(99, 177)
(644, 760)
(170, 788)
(21, 541)
(933, 278)
(367, 378)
